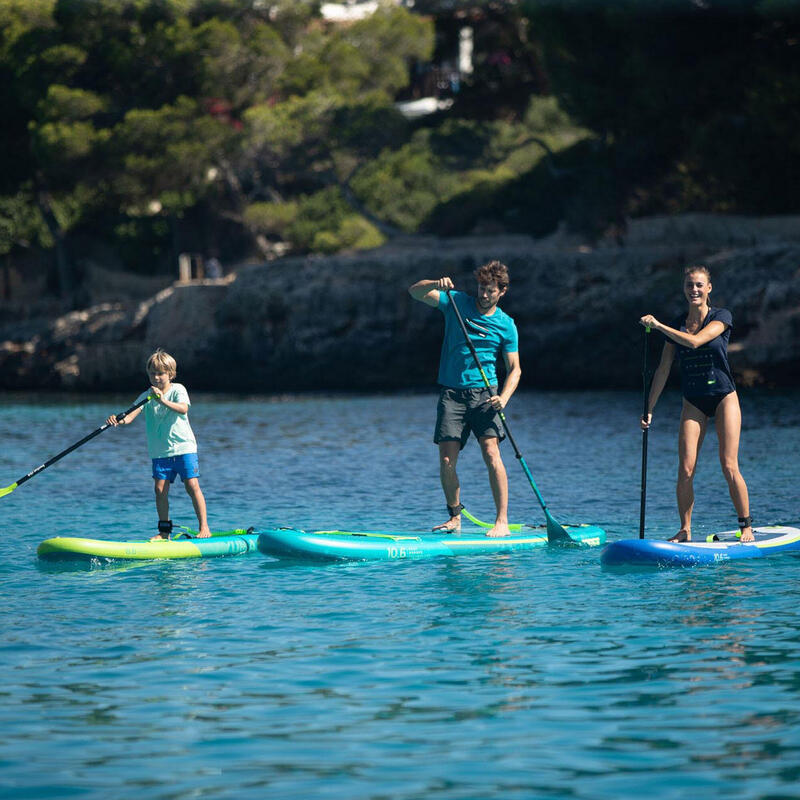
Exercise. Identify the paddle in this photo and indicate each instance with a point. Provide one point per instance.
(555, 531)
(20, 481)
(643, 500)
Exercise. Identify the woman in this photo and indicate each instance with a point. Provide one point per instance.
(701, 343)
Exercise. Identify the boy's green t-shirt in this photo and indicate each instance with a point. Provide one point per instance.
(168, 433)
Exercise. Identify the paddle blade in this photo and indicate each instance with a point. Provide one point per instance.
(556, 533)
(8, 489)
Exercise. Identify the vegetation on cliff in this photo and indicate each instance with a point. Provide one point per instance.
(231, 128)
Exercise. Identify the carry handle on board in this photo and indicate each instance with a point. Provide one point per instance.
(555, 531)
(8, 489)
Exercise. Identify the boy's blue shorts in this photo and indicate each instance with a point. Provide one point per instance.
(187, 466)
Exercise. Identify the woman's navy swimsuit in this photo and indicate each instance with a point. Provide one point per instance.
(708, 404)
(705, 372)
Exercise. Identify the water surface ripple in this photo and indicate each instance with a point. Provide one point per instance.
(536, 675)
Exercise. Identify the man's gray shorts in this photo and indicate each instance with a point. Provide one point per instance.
(461, 411)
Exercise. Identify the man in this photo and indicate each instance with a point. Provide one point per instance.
(465, 404)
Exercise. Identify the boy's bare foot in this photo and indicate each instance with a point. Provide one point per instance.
(453, 525)
(499, 529)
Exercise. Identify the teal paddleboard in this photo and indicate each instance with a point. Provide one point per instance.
(335, 545)
(227, 543)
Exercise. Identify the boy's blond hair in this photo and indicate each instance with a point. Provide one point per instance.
(162, 361)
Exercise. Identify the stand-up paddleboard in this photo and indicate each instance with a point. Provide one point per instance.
(769, 540)
(226, 543)
(337, 545)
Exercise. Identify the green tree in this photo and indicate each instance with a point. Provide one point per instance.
(166, 158)
(684, 95)
(124, 111)
(332, 114)
(99, 113)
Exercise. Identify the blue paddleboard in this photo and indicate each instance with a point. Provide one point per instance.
(769, 540)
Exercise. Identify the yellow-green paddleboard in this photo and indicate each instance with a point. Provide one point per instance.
(226, 543)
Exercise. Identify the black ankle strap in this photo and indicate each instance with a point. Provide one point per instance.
(454, 511)
(745, 522)
(165, 526)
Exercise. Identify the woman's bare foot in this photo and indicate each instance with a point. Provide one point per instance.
(204, 533)
(681, 536)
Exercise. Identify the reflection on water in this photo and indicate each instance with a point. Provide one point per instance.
(513, 676)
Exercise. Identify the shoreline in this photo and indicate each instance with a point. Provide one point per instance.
(345, 323)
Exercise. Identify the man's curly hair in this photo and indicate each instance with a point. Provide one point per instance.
(493, 272)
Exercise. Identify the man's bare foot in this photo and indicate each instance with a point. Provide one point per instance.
(204, 533)
(453, 525)
(747, 534)
(160, 537)
(499, 529)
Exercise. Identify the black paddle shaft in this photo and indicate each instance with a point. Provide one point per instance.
(83, 441)
(645, 398)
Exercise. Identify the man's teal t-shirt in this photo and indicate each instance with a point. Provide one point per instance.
(491, 335)
(168, 433)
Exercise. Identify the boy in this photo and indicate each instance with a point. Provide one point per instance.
(170, 441)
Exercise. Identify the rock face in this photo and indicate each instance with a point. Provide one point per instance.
(347, 322)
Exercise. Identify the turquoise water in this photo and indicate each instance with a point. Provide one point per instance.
(536, 675)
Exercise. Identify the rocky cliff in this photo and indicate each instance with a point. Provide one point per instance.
(347, 323)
